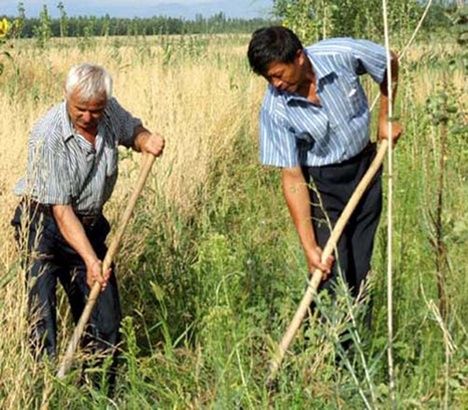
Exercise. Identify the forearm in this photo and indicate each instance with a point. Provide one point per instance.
(383, 122)
(141, 135)
(147, 142)
(384, 96)
(72, 230)
(296, 194)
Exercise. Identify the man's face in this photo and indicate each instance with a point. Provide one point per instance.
(85, 115)
(286, 76)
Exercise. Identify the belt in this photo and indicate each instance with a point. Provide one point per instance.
(367, 151)
(37, 207)
(87, 220)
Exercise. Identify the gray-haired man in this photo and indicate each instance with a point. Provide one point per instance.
(72, 170)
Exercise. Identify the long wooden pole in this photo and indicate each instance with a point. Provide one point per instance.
(111, 252)
(327, 251)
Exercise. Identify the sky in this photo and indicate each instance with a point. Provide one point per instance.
(143, 8)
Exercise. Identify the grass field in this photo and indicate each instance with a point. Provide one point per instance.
(210, 269)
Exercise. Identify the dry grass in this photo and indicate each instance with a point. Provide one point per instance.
(199, 101)
(198, 107)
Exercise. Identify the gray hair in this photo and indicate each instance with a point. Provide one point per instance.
(90, 80)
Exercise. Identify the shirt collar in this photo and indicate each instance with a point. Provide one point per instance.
(322, 68)
(320, 64)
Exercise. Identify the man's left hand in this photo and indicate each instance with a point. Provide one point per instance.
(397, 130)
(151, 144)
(148, 142)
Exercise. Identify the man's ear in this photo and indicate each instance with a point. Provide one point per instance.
(300, 57)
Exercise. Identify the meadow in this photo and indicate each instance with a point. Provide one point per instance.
(210, 269)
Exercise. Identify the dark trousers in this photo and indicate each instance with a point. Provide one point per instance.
(331, 189)
(51, 259)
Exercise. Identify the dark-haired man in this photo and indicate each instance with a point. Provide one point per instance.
(314, 124)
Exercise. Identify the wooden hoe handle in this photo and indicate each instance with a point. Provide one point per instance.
(328, 250)
(111, 252)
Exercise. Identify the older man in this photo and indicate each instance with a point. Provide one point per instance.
(72, 170)
(314, 125)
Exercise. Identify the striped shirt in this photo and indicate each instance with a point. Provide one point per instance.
(295, 132)
(65, 169)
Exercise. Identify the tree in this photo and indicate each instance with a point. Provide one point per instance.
(313, 20)
(43, 31)
(20, 19)
(63, 20)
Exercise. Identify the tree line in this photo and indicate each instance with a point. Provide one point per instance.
(310, 19)
(87, 26)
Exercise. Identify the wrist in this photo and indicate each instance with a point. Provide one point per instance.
(91, 261)
(312, 249)
(142, 139)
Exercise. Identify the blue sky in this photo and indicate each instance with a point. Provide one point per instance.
(144, 8)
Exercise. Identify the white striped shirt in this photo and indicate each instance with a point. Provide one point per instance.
(64, 168)
(294, 131)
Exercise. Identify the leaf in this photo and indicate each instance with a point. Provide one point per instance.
(454, 383)
(157, 291)
(7, 55)
(459, 130)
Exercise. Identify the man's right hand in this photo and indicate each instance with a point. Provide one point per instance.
(73, 232)
(94, 274)
(314, 261)
(297, 197)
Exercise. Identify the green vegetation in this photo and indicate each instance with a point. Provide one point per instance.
(313, 20)
(77, 26)
(211, 270)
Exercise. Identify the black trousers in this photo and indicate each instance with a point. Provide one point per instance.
(330, 189)
(51, 259)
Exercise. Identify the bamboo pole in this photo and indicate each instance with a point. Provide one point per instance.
(111, 252)
(327, 251)
(391, 370)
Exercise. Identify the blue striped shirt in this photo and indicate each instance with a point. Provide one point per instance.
(295, 132)
(65, 169)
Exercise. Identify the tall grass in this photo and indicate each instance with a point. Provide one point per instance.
(211, 271)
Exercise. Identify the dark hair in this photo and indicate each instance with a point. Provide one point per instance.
(270, 44)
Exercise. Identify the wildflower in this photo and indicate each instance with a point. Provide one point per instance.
(4, 27)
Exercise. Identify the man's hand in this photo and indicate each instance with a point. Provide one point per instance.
(152, 144)
(94, 274)
(73, 232)
(296, 194)
(314, 261)
(397, 130)
(148, 142)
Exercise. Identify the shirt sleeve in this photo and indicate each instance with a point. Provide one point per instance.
(278, 146)
(123, 123)
(369, 58)
(47, 181)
